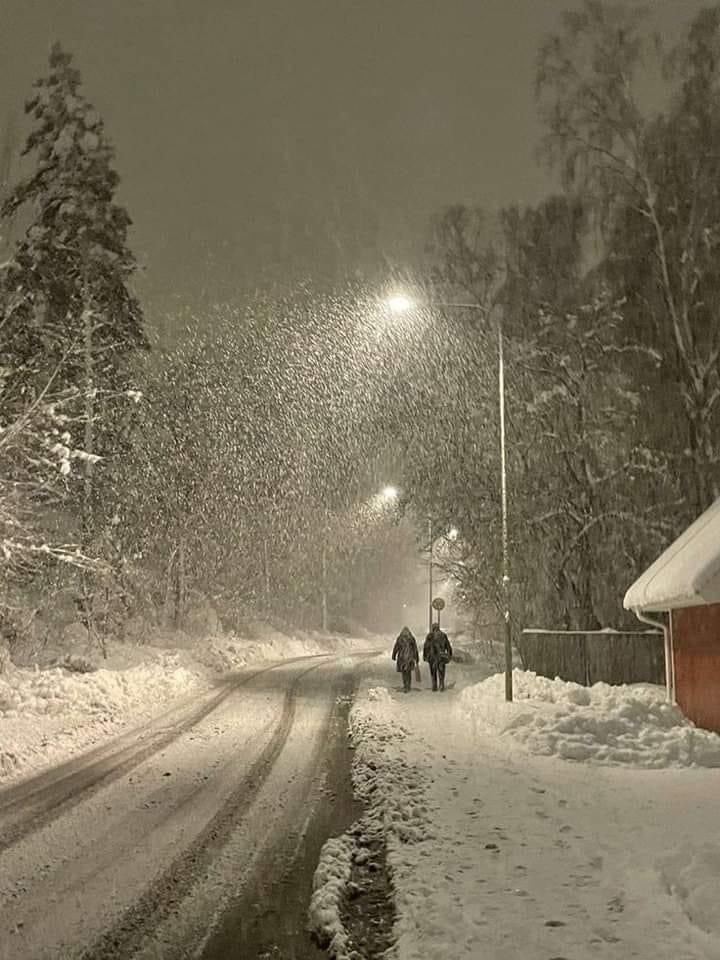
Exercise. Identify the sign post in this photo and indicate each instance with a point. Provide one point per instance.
(438, 604)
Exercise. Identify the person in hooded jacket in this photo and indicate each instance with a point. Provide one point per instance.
(437, 652)
(405, 654)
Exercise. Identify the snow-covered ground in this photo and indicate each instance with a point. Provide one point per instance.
(570, 824)
(47, 716)
(599, 724)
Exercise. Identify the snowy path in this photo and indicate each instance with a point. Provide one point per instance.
(147, 860)
(496, 853)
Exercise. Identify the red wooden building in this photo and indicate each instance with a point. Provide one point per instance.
(684, 582)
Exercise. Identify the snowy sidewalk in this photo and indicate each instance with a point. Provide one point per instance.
(498, 853)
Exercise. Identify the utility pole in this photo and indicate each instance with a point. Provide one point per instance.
(89, 399)
(430, 573)
(323, 576)
(266, 573)
(401, 304)
(503, 497)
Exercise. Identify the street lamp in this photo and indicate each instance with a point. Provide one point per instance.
(399, 303)
(374, 507)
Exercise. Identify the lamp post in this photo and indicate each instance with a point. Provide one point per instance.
(430, 573)
(400, 303)
(323, 587)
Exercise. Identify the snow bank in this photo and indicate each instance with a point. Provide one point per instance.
(232, 653)
(497, 853)
(392, 788)
(631, 724)
(46, 715)
(49, 715)
(690, 875)
(330, 883)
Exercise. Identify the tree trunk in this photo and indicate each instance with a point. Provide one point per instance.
(89, 438)
(179, 612)
(702, 449)
(585, 617)
(323, 598)
(266, 573)
(169, 586)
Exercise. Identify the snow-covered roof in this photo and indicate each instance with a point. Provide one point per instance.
(687, 574)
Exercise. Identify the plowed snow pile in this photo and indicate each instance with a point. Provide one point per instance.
(605, 724)
(46, 715)
(497, 852)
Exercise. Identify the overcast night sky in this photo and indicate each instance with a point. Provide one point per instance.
(264, 139)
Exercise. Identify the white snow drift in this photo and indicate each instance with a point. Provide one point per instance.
(630, 724)
(497, 852)
(49, 715)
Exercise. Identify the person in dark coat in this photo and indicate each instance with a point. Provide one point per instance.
(405, 653)
(437, 652)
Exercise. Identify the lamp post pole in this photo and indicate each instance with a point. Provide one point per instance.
(323, 597)
(400, 304)
(430, 573)
(503, 499)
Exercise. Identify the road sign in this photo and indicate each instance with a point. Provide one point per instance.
(438, 603)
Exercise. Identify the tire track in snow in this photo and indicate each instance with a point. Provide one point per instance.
(46, 797)
(153, 906)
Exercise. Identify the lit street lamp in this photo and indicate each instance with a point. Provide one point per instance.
(373, 507)
(398, 303)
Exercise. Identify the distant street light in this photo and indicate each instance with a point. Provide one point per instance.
(372, 509)
(400, 303)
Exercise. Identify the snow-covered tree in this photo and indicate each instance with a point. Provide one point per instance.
(653, 180)
(583, 493)
(67, 304)
(38, 453)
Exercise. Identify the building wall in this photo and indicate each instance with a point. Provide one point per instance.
(696, 648)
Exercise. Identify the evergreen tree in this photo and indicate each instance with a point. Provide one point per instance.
(68, 310)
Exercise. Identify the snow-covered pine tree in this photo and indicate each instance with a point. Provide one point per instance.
(66, 300)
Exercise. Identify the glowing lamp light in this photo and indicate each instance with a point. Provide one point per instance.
(453, 533)
(390, 493)
(399, 303)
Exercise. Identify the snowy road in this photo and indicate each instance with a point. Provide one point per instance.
(148, 847)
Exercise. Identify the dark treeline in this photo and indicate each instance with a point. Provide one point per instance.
(236, 463)
(608, 297)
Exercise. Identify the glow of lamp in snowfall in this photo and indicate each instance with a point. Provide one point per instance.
(389, 493)
(399, 303)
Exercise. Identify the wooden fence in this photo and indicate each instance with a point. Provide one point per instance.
(587, 657)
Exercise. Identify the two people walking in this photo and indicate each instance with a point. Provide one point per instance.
(437, 653)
